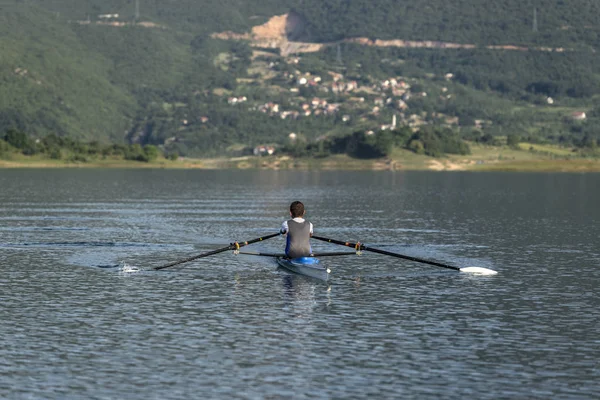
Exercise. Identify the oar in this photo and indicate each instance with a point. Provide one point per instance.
(360, 246)
(232, 246)
(330, 254)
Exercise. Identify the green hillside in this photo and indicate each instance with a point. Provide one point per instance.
(67, 70)
(558, 23)
(52, 83)
(189, 15)
(552, 23)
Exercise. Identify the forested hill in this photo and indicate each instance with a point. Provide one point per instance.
(148, 71)
(188, 15)
(553, 23)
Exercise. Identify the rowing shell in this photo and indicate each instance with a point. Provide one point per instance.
(308, 266)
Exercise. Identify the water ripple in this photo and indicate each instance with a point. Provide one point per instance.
(84, 315)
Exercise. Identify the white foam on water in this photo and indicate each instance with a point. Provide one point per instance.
(126, 268)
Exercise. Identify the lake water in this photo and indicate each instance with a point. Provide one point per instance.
(84, 316)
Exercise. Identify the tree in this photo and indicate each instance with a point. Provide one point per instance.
(361, 145)
(151, 152)
(17, 139)
(4, 147)
(512, 140)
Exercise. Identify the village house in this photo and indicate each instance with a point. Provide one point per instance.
(402, 105)
(335, 76)
(236, 100)
(578, 115)
(269, 107)
(263, 150)
(318, 103)
(332, 108)
(398, 92)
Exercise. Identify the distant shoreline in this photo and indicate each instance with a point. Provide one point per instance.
(325, 164)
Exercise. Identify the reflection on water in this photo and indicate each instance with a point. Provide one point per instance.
(85, 316)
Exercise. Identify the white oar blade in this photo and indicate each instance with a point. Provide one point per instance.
(478, 271)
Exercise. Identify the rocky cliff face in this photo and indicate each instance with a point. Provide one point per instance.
(280, 32)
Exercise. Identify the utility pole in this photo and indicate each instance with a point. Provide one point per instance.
(535, 22)
(137, 10)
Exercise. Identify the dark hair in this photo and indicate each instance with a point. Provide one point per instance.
(297, 209)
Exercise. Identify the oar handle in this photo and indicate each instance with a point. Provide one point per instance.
(360, 246)
(259, 239)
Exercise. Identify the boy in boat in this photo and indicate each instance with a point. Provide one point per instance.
(298, 231)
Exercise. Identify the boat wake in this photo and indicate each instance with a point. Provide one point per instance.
(121, 267)
(125, 268)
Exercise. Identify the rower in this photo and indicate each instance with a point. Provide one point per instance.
(298, 231)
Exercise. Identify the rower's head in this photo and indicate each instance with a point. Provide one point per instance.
(297, 209)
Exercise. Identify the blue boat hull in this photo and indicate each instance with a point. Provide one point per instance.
(307, 266)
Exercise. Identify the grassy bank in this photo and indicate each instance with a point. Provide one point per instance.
(482, 158)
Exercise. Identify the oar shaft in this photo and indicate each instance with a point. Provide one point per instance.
(210, 253)
(437, 264)
(330, 254)
(232, 246)
(384, 252)
(334, 254)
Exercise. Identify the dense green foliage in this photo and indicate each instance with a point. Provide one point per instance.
(61, 148)
(167, 86)
(187, 15)
(51, 83)
(559, 23)
(430, 141)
